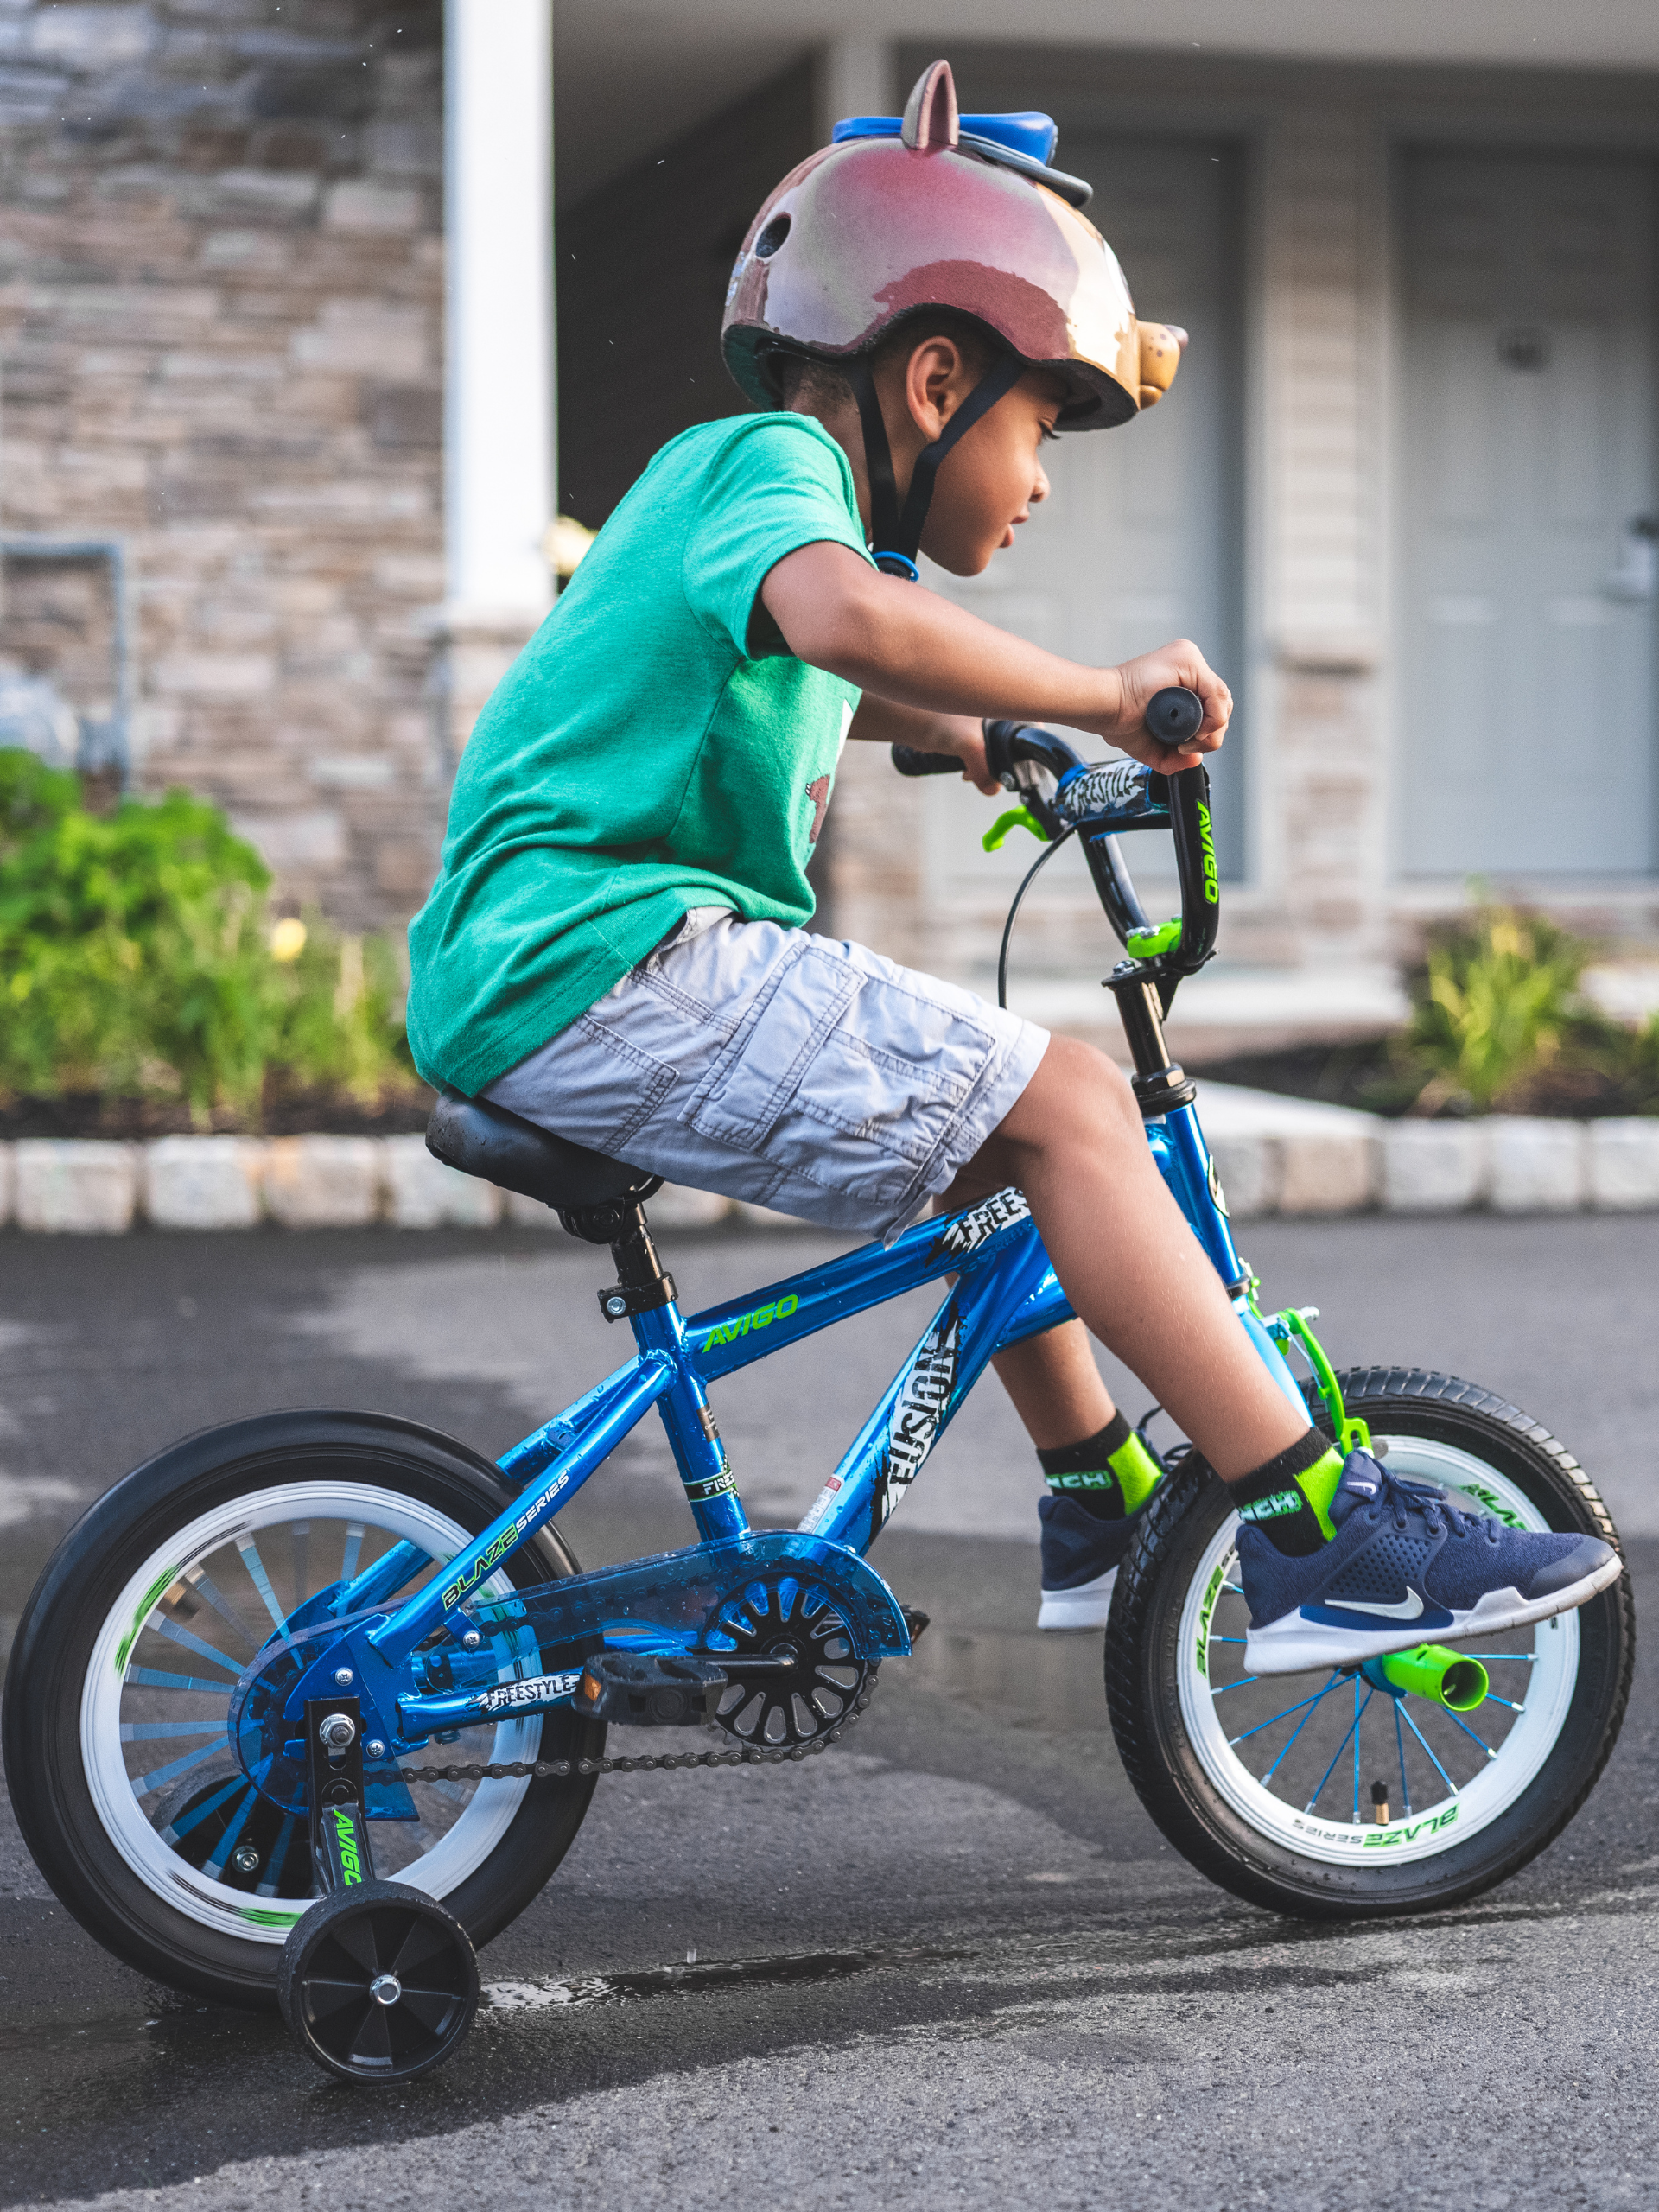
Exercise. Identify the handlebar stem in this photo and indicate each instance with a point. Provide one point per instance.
(1160, 1083)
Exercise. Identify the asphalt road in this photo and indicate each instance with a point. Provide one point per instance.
(951, 1963)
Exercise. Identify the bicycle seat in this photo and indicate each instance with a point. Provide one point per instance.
(481, 1139)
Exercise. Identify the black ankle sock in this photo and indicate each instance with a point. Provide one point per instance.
(1287, 1508)
(1092, 1472)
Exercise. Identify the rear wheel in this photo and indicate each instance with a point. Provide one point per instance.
(1330, 1796)
(125, 1780)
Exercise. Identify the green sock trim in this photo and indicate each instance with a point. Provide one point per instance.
(1098, 1479)
(1319, 1486)
(1138, 1472)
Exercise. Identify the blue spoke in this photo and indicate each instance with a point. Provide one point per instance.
(1238, 1588)
(299, 1544)
(1285, 1715)
(152, 1732)
(150, 1678)
(259, 1578)
(1470, 1732)
(201, 1585)
(1399, 1738)
(1423, 1741)
(218, 1858)
(1527, 1658)
(278, 1853)
(193, 1818)
(1341, 1747)
(142, 1784)
(1358, 1709)
(1492, 1697)
(175, 1634)
(1298, 1729)
(353, 1546)
(1229, 1639)
(1238, 1685)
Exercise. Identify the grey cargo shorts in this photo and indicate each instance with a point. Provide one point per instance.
(793, 1071)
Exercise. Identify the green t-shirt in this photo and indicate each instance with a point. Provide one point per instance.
(636, 760)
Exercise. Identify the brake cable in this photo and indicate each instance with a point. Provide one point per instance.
(1041, 862)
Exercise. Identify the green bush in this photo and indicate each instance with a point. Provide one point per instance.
(1493, 1003)
(136, 959)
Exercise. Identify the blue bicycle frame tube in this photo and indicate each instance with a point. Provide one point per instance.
(1005, 1292)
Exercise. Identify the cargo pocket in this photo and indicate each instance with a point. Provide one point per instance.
(841, 1070)
(607, 1091)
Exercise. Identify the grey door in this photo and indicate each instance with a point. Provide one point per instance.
(1527, 522)
(1139, 540)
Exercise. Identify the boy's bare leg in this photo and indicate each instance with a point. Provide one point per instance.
(1052, 1379)
(1056, 1387)
(1131, 1268)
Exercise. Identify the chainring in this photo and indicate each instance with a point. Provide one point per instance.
(797, 1676)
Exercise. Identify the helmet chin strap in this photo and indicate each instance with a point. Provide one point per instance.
(896, 532)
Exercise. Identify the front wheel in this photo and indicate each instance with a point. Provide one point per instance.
(123, 1777)
(1329, 1795)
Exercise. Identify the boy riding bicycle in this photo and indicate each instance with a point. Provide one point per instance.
(615, 948)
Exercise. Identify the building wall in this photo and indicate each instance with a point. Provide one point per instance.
(1319, 670)
(643, 268)
(220, 340)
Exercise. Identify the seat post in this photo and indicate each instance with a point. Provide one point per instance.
(642, 1282)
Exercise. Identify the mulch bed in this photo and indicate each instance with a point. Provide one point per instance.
(285, 1112)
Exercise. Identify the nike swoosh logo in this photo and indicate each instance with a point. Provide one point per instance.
(1408, 1609)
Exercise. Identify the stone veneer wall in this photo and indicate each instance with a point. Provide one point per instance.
(221, 340)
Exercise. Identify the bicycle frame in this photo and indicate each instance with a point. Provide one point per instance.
(1004, 1290)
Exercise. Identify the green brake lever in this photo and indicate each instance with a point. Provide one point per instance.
(1017, 817)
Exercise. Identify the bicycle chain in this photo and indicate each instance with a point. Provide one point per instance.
(560, 1770)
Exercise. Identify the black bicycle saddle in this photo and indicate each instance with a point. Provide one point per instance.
(481, 1139)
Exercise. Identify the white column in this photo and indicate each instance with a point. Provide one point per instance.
(854, 76)
(498, 378)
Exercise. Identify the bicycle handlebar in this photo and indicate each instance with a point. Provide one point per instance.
(1063, 793)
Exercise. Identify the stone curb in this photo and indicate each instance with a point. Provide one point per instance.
(1300, 1161)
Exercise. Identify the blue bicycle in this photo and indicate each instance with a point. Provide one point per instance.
(310, 1706)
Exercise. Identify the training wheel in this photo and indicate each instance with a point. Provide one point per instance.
(378, 1983)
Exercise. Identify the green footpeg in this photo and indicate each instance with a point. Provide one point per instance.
(1450, 1678)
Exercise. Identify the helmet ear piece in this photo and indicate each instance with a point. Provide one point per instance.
(932, 117)
(1162, 347)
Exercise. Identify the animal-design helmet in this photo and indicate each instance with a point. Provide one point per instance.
(937, 210)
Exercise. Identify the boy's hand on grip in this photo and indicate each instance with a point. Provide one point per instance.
(1178, 664)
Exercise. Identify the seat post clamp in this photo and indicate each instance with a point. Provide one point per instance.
(624, 1297)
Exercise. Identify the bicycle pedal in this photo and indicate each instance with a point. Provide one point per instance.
(653, 1690)
(915, 1620)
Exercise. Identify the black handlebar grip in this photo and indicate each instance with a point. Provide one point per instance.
(1175, 715)
(909, 762)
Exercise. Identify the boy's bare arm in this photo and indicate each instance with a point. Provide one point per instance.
(883, 721)
(907, 645)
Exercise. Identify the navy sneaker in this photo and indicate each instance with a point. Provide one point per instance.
(1405, 1567)
(1081, 1557)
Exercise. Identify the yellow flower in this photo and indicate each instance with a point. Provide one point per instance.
(287, 940)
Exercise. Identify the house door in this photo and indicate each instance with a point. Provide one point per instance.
(1139, 542)
(1528, 520)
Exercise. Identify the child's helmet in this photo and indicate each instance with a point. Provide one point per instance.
(896, 218)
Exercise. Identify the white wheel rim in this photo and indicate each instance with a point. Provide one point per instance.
(113, 1689)
(1466, 1801)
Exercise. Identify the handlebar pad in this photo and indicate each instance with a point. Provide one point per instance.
(909, 762)
(1174, 715)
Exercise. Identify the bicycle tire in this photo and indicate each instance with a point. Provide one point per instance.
(1220, 1825)
(56, 1750)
